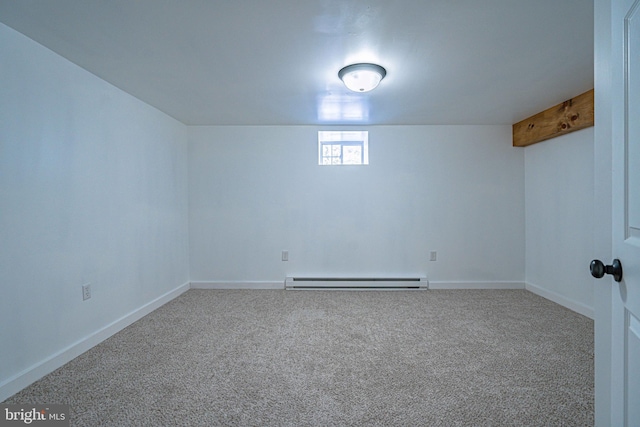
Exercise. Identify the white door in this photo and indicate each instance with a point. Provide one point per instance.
(620, 115)
(626, 213)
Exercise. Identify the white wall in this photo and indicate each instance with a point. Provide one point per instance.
(93, 189)
(255, 191)
(559, 219)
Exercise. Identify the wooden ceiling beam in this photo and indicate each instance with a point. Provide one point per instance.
(572, 115)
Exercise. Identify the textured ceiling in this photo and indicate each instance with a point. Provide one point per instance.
(256, 62)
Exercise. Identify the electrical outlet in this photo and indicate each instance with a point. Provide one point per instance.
(86, 291)
(433, 256)
(285, 255)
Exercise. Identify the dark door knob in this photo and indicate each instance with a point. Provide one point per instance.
(598, 269)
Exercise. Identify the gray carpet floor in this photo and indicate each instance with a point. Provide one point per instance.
(331, 358)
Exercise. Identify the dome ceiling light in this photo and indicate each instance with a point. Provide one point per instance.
(362, 77)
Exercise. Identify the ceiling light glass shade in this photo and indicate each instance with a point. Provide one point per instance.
(362, 77)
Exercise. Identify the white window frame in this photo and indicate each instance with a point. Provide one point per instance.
(337, 141)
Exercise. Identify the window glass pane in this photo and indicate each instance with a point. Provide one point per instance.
(352, 155)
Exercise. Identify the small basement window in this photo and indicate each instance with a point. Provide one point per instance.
(343, 147)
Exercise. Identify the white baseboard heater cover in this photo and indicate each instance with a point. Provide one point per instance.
(355, 283)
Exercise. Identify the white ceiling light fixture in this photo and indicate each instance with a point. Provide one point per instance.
(362, 77)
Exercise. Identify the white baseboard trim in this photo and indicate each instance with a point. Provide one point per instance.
(476, 285)
(237, 285)
(563, 301)
(51, 363)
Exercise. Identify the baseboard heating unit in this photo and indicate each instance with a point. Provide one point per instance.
(356, 283)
